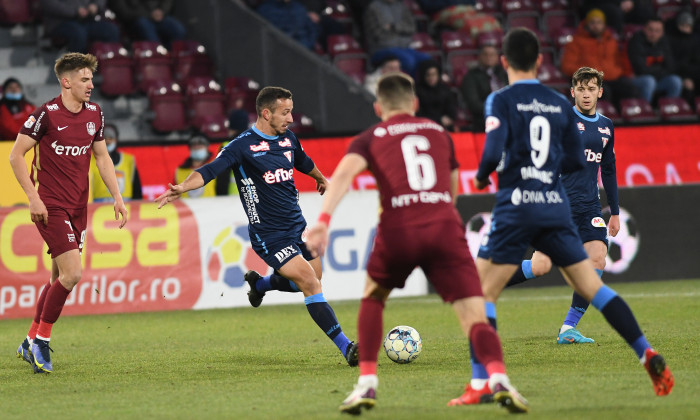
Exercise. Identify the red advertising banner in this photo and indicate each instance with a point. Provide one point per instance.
(651, 155)
(152, 264)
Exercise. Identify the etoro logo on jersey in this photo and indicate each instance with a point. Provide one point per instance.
(69, 150)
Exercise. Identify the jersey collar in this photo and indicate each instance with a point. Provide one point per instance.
(587, 118)
(263, 135)
(527, 82)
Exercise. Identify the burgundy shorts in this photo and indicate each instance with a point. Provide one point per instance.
(65, 230)
(440, 249)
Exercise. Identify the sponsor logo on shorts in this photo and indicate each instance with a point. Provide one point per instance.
(285, 143)
(598, 222)
(263, 146)
(285, 253)
(52, 107)
(581, 126)
(492, 123)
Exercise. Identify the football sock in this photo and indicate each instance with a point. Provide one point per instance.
(370, 333)
(370, 380)
(322, 313)
(522, 275)
(276, 282)
(579, 305)
(621, 318)
(39, 309)
(53, 305)
(487, 347)
(479, 373)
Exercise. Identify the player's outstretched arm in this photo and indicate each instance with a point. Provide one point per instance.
(106, 169)
(351, 165)
(192, 182)
(321, 181)
(37, 209)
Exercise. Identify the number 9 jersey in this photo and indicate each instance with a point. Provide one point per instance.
(412, 160)
(531, 137)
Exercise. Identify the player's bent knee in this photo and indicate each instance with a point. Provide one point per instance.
(70, 279)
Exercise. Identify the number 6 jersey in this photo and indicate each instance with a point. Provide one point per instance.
(412, 160)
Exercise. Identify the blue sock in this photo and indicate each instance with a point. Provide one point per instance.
(578, 307)
(621, 318)
(478, 370)
(522, 275)
(323, 315)
(276, 282)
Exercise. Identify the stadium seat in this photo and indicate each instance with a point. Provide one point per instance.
(487, 6)
(511, 6)
(152, 62)
(204, 97)
(493, 38)
(668, 12)
(553, 21)
(168, 105)
(464, 119)
(549, 5)
(456, 40)
(353, 66)
(424, 43)
(241, 93)
(527, 19)
(116, 68)
(637, 111)
(459, 63)
(340, 12)
(629, 29)
(190, 60)
(562, 36)
(213, 126)
(609, 110)
(302, 124)
(343, 44)
(549, 75)
(17, 11)
(675, 109)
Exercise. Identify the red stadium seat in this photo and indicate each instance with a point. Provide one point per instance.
(675, 109)
(241, 93)
(487, 6)
(609, 110)
(549, 75)
(343, 44)
(553, 21)
(152, 62)
(214, 126)
(190, 60)
(456, 40)
(16, 11)
(302, 124)
(204, 98)
(168, 105)
(353, 66)
(637, 111)
(340, 12)
(116, 68)
(424, 43)
(527, 19)
(511, 6)
(562, 36)
(459, 62)
(549, 5)
(492, 38)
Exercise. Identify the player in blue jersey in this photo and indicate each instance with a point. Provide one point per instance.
(598, 135)
(531, 137)
(263, 159)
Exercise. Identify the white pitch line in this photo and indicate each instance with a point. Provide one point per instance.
(566, 297)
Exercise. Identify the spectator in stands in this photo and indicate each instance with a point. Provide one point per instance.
(390, 64)
(128, 178)
(431, 7)
(652, 62)
(290, 17)
(199, 155)
(149, 20)
(325, 24)
(486, 77)
(436, 100)
(14, 109)
(685, 46)
(389, 27)
(594, 45)
(77, 22)
(620, 12)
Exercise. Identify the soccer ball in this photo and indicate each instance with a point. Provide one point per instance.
(403, 344)
(230, 256)
(622, 248)
(477, 231)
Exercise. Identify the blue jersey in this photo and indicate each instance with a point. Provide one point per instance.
(531, 137)
(264, 170)
(598, 136)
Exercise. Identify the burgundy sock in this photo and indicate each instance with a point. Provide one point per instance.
(370, 334)
(487, 347)
(55, 299)
(39, 309)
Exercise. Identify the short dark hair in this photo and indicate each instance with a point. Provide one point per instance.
(74, 61)
(654, 18)
(268, 96)
(395, 90)
(585, 74)
(521, 48)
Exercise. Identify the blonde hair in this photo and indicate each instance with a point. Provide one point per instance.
(395, 91)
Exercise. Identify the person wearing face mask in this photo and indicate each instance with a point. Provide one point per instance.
(199, 155)
(128, 178)
(14, 109)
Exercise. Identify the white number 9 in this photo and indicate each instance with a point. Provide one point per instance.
(539, 140)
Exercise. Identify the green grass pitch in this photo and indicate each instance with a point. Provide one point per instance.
(273, 362)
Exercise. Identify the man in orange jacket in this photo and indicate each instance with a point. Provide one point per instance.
(594, 45)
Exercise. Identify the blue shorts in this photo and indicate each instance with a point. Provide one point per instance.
(507, 244)
(591, 226)
(278, 253)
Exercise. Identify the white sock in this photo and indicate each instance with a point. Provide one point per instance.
(565, 328)
(478, 384)
(496, 378)
(371, 381)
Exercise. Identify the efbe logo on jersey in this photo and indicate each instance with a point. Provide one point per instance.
(622, 249)
(230, 256)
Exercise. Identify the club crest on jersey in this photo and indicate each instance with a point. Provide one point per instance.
(581, 126)
(288, 155)
(285, 143)
(598, 222)
(605, 130)
(605, 141)
(263, 146)
(91, 128)
(30, 122)
(492, 123)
